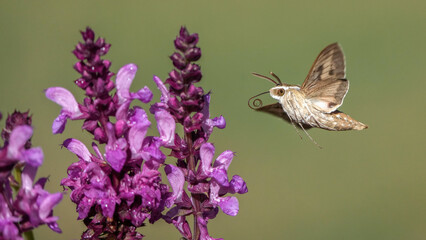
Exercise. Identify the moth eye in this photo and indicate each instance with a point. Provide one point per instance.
(280, 92)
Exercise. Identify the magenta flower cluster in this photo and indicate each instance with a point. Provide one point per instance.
(207, 183)
(24, 204)
(117, 188)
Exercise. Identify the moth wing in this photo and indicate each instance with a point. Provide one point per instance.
(330, 95)
(277, 110)
(326, 84)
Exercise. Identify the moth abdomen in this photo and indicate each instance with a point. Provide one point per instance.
(339, 121)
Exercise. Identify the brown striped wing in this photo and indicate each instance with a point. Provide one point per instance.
(326, 84)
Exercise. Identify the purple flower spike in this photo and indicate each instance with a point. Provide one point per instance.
(219, 184)
(207, 182)
(36, 202)
(31, 206)
(95, 75)
(14, 120)
(117, 190)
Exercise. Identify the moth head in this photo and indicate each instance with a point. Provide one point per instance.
(277, 92)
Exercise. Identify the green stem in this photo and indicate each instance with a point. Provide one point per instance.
(196, 202)
(29, 235)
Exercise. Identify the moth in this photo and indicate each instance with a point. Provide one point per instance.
(315, 103)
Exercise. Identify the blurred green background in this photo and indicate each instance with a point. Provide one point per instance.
(362, 185)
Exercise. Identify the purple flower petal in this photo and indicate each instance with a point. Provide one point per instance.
(206, 155)
(176, 179)
(221, 176)
(18, 138)
(116, 158)
(33, 156)
(166, 127)
(165, 95)
(7, 221)
(229, 205)
(137, 135)
(54, 226)
(48, 203)
(202, 224)
(78, 148)
(28, 175)
(138, 116)
(224, 160)
(84, 207)
(70, 108)
(58, 125)
(97, 151)
(151, 152)
(120, 127)
(9, 230)
(206, 108)
(209, 124)
(219, 122)
(108, 206)
(139, 126)
(238, 185)
(182, 225)
(124, 79)
(144, 95)
(65, 99)
(90, 125)
(122, 111)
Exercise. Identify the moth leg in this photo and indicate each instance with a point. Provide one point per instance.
(294, 125)
(301, 126)
(290, 103)
(297, 130)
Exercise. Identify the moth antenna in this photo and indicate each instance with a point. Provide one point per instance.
(257, 103)
(276, 77)
(301, 126)
(265, 77)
